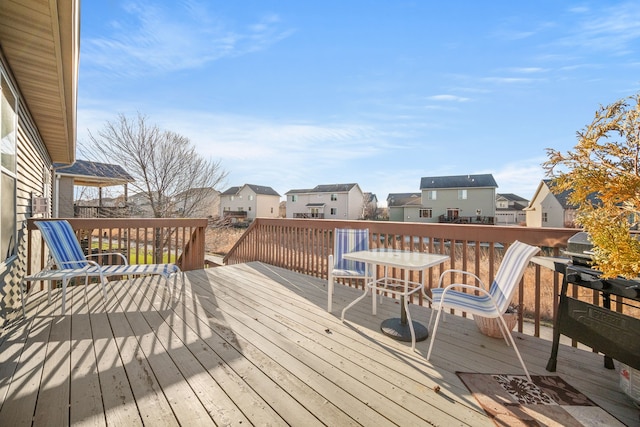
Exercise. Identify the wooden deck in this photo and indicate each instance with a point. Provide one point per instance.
(252, 344)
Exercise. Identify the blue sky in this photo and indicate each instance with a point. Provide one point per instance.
(292, 94)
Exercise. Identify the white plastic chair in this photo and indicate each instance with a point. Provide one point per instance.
(491, 303)
(67, 261)
(345, 241)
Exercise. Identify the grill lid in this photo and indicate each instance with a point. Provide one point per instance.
(580, 248)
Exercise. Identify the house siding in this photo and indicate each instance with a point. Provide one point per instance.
(396, 213)
(545, 202)
(412, 214)
(32, 163)
(355, 208)
(447, 198)
(262, 205)
(554, 211)
(267, 206)
(349, 204)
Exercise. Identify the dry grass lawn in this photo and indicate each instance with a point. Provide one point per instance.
(219, 240)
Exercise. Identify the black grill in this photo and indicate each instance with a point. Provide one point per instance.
(615, 334)
(580, 249)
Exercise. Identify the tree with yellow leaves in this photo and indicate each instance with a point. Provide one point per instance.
(605, 162)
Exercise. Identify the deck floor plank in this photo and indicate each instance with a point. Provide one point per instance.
(182, 345)
(298, 403)
(301, 359)
(25, 385)
(152, 403)
(215, 355)
(184, 403)
(120, 405)
(85, 399)
(383, 371)
(252, 344)
(53, 399)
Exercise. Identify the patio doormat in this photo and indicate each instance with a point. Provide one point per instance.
(511, 400)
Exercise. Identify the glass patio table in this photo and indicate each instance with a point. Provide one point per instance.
(401, 328)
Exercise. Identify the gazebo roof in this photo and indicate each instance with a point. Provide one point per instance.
(94, 174)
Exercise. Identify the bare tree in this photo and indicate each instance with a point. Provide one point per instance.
(369, 210)
(173, 178)
(168, 172)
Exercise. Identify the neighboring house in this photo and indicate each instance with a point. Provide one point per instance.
(404, 206)
(87, 174)
(458, 199)
(550, 210)
(198, 203)
(334, 201)
(39, 53)
(510, 209)
(249, 202)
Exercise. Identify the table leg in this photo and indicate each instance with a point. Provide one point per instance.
(400, 328)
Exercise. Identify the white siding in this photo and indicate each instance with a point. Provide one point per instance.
(546, 204)
(267, 206)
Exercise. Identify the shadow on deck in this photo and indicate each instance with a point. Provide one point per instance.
(252, 344)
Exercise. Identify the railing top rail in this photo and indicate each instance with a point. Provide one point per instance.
(86, 223)
(539, 236)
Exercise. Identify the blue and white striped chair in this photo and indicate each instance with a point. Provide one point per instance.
(492, 303)
(345, 241)
(67, 261)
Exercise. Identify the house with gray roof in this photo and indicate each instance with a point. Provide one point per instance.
(404, 206)
(510, 209)
(249, 201)
(547, 209)
(458, 199)
(332, 201)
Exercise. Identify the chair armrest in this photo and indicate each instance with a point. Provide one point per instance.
(470, 287)
(81, 264)
(465, 286)
(124, 259)
(463, 272)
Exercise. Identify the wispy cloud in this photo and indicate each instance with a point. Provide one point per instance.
(154, 39)
(448, 98)
(508, 80)
(610, 29)
(528, 70)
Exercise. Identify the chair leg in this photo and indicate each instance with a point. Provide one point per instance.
(65, 281)
(86, 286)
(513, 343)
(504, 331)
(103, 282)
(330, 291)
(433, 311)
(354, 302)
(435, 329)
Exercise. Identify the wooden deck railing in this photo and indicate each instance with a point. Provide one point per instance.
(304, 245)
(101, 212)
(141, 240)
